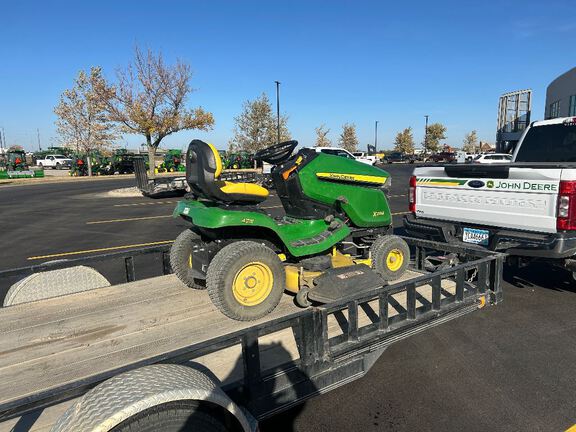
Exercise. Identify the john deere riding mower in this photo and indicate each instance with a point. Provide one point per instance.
(332, 242)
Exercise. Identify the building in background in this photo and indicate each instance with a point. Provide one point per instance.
(514, 111)
(561, 96)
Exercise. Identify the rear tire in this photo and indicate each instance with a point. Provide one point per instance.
(181, 257)
(390, 257)
(173, 417)
(245, 280)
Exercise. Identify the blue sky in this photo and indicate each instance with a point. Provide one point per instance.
(338, 61)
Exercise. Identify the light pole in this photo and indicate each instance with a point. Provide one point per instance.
(278, 109)
(376, 137)
(426, 134)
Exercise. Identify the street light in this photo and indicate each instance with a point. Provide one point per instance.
(426, 134)
(278, 109)
(376, 137)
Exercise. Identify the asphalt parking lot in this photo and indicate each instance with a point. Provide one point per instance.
(509, 367)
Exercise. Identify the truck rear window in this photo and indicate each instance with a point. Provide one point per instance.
(550, 143)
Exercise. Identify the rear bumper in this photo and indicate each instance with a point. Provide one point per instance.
(522, 243)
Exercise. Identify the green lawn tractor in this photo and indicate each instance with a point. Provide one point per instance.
(333, 241)
(172, 162)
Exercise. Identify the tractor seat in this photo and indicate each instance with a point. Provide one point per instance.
(203, 170)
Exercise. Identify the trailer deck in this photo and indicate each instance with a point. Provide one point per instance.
(54, 350)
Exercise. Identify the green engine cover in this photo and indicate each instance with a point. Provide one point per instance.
(327, 178)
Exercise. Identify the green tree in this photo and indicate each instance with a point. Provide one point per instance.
(348, 139)
(149, 98)
(436, 133)
(256, 127)
(470, 142)
(82, 123)
(321, 136)
(404, 141)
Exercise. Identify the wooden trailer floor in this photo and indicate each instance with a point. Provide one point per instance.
(56, 341)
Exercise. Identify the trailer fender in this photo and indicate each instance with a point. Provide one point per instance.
(118, 399)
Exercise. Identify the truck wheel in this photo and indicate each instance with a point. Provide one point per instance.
(181, 256)
(245, 280)
(58, 166)
(173, 417)
(390, 257)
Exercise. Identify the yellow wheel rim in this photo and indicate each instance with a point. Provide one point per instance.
(190, 261)
(252, 284)
(394, 260)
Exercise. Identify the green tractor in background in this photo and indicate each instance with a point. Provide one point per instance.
(239, 160)
(333, 241)
(15, 160)
(172, 162)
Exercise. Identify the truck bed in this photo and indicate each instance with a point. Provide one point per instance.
(50, 343)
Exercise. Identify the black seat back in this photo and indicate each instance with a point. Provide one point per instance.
(203, 168)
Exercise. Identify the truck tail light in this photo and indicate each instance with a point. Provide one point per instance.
(412, 195)
(566, 212)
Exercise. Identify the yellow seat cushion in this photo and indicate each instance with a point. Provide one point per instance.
(244, 189)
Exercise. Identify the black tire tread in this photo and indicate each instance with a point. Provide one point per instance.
(179, 257)
(172, 417)
(220, 265)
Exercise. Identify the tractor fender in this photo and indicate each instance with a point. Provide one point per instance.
(128, 394)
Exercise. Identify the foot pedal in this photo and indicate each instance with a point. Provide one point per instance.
(337, 283)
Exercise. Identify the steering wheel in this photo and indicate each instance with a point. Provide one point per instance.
(276, 153)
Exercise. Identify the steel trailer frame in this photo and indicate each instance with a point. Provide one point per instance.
(324, 362)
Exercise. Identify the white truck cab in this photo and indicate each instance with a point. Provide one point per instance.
(339, 151)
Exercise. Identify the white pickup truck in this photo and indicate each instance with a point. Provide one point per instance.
(526, 208)
(55, 162)
(365, 158)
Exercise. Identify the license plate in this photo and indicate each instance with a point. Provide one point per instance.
(476, 236)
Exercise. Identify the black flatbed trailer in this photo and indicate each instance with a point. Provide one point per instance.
(53, 351)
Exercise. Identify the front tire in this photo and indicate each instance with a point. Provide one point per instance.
(390, 257)
(181, 258)
(245, 280)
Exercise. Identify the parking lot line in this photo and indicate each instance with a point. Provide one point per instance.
(127, 219)
(144, 203)
(397, 196)
(400, 213)
(99, 250)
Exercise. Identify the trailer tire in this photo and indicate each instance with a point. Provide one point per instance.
(181, 254)
(173, 417)
(390, 257)
(245, 280)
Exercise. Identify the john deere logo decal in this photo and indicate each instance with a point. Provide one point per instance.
(475, 183)
(490, 184)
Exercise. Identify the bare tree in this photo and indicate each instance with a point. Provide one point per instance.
(82, 123)
(348, 139)
(404, 141)
(470, 142)
(150, 97)
(255, 128)
(321, 136)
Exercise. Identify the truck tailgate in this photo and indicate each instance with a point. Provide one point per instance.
(525, 200)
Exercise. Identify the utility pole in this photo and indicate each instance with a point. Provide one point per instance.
(376, 137)
(426, 134)
(38, 136)
(278, 109)
(2, 140)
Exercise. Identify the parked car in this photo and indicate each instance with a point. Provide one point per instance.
(493, 158)
(365, 158)
(55, 162)
(398, 157)
(446, 157)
